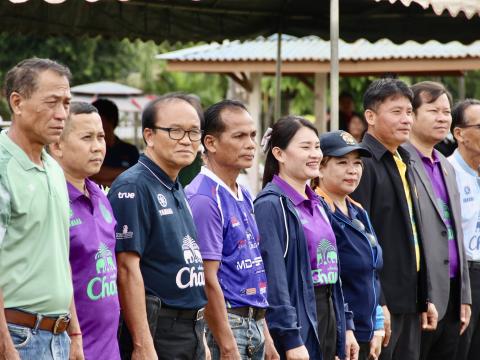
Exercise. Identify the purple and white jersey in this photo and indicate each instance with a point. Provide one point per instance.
(227, 232)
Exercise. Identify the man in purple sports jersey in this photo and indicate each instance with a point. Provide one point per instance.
(235, 280)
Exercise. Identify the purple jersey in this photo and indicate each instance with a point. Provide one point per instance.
(94, 271)
(227, 232)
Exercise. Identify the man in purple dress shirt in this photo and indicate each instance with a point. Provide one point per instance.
(80, 152)
(440, 222)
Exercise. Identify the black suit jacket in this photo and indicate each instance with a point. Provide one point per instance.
(434, 233)
(381, 193)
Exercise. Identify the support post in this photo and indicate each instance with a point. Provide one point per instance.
(320, 99)
(278, 78)
(334, 64)
(255, 109)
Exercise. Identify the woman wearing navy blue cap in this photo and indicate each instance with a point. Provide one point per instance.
(360, 255)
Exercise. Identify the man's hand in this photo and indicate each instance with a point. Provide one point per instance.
(298, 353)
(270, 351)
(144, 352)
(387, 325)
(351, 346)
(76, 348)
(465, 313)
(208, 355)
(375, 347)
(230, 353)
(7, 350)
(430, 318)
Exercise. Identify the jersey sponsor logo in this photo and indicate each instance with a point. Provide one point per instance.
(164, 212)
(126, 195)
(241, 243)
(326, 260)
(190, 276)
(75, 221)
(249, 263)
(162, 200)
(467, 190)
(248, 291)
(234, 221)
(262, 286)
(125, 234)
(105, 213)
(105, 283)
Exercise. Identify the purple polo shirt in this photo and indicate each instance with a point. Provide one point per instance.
(322, 246)
(434, 172)
(94, 271)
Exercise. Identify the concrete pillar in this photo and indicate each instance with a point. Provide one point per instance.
(255, 108)
(320, 105)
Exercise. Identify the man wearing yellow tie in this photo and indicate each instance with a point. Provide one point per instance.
(388, 193)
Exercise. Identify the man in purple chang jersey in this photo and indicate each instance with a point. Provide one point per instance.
(80, 152)
(235, 280)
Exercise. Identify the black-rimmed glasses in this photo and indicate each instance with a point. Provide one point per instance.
(179, 133)
(476, 126)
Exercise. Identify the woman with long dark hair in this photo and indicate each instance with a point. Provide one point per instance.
(306, 314)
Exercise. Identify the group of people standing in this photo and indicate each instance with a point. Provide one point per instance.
(350, 251)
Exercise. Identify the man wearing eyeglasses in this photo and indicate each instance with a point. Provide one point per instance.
(236, 284)
(439, 223)
(160, 268)
(466, 161)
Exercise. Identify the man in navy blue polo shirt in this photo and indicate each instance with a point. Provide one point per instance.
(236, 284)
(160, 269)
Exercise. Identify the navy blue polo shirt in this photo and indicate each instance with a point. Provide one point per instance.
(154, 220)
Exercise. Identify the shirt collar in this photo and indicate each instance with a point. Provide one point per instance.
(463, 164)
(434, 160)
(19, 155)
(74, 193)
(158, 173)
(293, 194)
(209, 173)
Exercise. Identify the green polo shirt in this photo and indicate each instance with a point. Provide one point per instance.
(34, 238)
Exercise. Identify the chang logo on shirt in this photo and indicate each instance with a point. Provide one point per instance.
(105, 284)
(190, 276)
(76, 221)
(327, 268)
(162, 200)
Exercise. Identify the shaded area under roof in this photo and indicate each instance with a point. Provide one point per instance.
(215, 20)
(312, 54)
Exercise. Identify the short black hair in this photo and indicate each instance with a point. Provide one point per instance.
(108, 110)
(77, 108)
(458, 113)
(22, 78)
(213, 123)
(149, 113)
(430, 90)
(382, 89)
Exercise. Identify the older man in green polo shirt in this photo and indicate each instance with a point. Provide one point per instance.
(35, 278)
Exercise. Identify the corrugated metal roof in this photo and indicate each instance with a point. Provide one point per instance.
(312, 48)
(105, 88)
(454, 7)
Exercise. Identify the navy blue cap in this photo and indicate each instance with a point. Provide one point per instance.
(339, 143)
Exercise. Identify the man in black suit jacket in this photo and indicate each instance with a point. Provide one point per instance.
(388, 194)
(440, 221)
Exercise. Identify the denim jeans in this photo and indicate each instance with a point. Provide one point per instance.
(39, 344)
(179, 339)
(247, 332)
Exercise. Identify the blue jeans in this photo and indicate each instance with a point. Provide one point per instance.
(247, 332)
(39, 344)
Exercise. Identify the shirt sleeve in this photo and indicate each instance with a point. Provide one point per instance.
(133, 219)
(5, 207)
(209, 224)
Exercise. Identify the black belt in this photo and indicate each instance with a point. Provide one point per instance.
(248, 312)
(474, 265)
(194, 315)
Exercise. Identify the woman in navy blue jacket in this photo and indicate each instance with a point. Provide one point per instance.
(293, 158)
(359, 252)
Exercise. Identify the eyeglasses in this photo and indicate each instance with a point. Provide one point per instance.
(358, 225)
(179, 133)
(476, 126)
